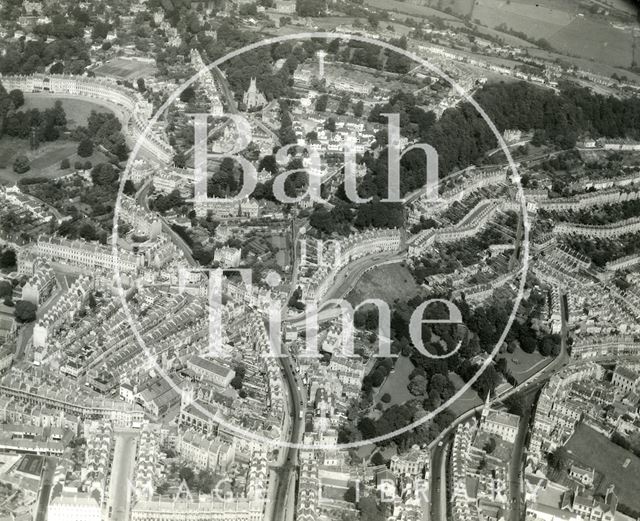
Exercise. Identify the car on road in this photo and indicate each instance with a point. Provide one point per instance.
(440, 443)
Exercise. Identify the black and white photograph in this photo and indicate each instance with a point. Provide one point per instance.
(319, 260)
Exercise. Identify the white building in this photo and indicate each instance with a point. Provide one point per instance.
(74, 507)
(228, 257)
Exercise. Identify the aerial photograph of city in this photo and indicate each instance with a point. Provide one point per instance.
(319, 260)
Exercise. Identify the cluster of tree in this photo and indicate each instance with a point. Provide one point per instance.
(104, 174)
(236, 382)
(625, 443)
(559, 459)
(93, 223)
(311, 8)
(286, 133)
(259, 64)
(6, 292)
(225, 182)
(204, 481)
(322, 102)
(540, 42)
(343, 216)
(607, 214)
(21, 164)
(482, 329)
(25, 311)
(603, 250)
(82, 229)
(165, 202)
(399, 416)
(562, 116)
(58, 42)
(105, 130)
(377, 375)
(85, 147)
(37, 125)
(295, 299)
(7, 259)
(450, 257)
(371, 510)
(461, 137)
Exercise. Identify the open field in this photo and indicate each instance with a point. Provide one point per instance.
(459, 7)
(596, 40)
(523, 365)
(77, 110)
(388, 282)
(125, 69)
(537, 20)
(564, 25)
(396, 383)
(468, 400)
(591, 448)
(405, 7)
(45, 161)
(626, 6)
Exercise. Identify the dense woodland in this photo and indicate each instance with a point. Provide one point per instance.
(462, 137)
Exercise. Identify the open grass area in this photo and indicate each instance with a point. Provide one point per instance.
(468, 400)
(596, 40)
(567, 26)
(423, 11)
(459, 7)
(396, 383)
(77, 110)
(45, 160)
(388, 282)
(537, 20)
(126, 69)
(616, 464)
(523, 365)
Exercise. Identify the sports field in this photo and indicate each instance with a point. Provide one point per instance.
(617, 465)
(126, 69)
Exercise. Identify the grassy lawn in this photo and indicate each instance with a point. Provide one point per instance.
(77, 110)
(539, 20)
(522, 365)
(468, 400)
(388, 282)
(126, 69)
(591, 448)
(396, 383)
(45, 161)
(596, 40)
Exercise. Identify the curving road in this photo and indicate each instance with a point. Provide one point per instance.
(142, 199)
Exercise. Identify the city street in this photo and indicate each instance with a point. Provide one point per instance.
(439, 480)
(119, 495)
(46, 485)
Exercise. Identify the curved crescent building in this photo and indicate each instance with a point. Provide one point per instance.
(135, 109)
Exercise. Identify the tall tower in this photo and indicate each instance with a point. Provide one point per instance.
(321, 55)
